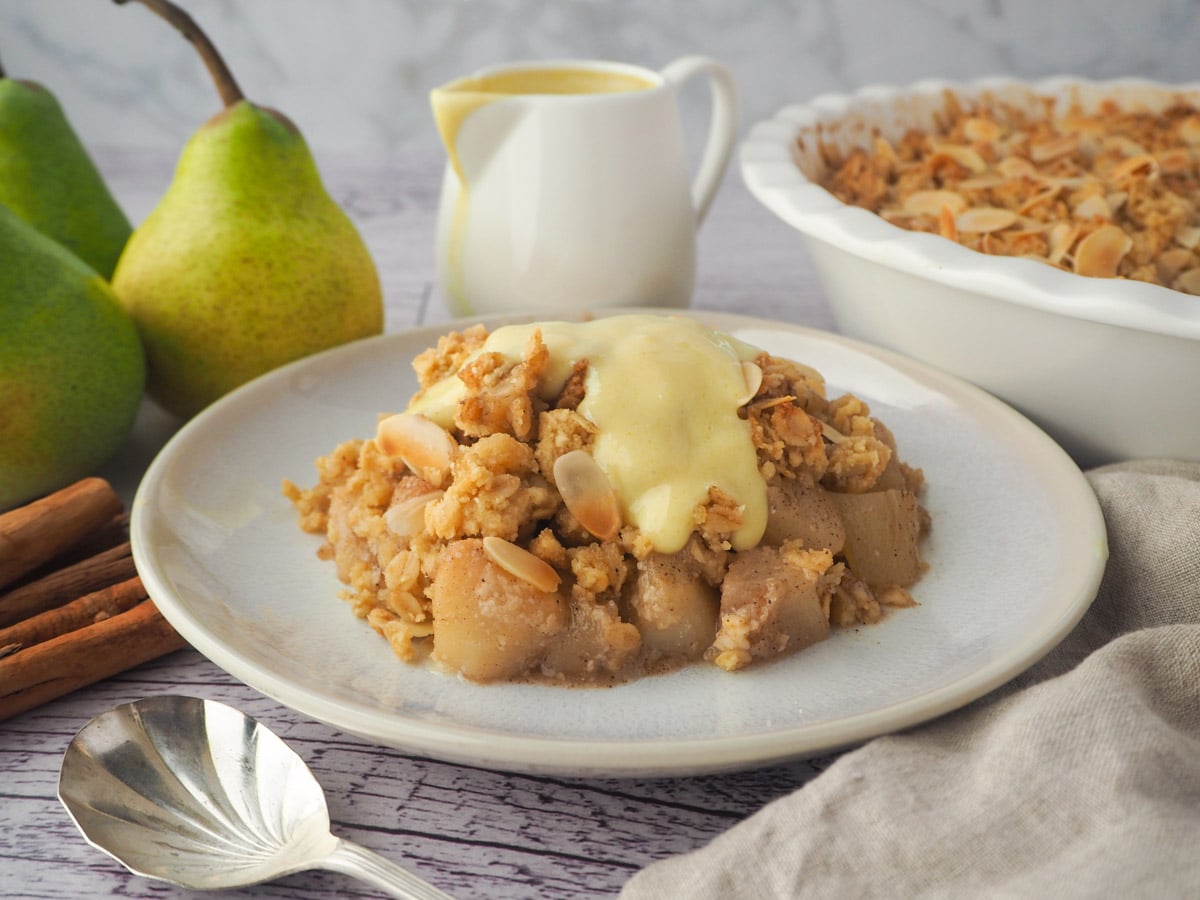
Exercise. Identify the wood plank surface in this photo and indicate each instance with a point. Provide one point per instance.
(475, 833)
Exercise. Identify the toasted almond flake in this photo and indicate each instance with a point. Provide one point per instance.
(984, 219)
(407, 517)
(587, 493)
(982, 130)
(753, 376)
(423, 445)
(1188, 236)
(1084, 126)
(1058, 146)
(772, 401)
(930, 203)
(1142, 166)
(1012, 144)
(982, 183)
(1092, 207)
(830, 433)
(1032, 203)
(1061, 237)
(1027, 225)
(966, 157)
(1100, 253)
(884, 150)
(947, 227)
(1116, 199)
(1189, 131)
(1189, 281)
(1177, 159)
(1016, 167)
(520, 563)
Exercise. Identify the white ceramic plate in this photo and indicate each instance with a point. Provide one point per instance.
(1016, 554)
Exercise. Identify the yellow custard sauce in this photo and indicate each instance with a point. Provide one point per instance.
(663, 439)
(457, 100)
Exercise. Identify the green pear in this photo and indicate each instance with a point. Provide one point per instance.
(48, 179)
(246, 263)
(71, 365)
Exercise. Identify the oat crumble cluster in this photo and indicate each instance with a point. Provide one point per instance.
(495, 550)
(1115, 193)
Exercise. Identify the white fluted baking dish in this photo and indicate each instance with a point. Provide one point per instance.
(1109, 367)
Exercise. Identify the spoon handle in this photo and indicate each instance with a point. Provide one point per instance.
(351, 859)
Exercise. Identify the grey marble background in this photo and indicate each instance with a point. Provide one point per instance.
(355, 74)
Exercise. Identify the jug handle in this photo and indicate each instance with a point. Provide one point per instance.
(722, 126)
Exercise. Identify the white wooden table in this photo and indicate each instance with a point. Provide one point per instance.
(473, 832)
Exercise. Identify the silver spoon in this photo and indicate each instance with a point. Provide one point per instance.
(193, 792)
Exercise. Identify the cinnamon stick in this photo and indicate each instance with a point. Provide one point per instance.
(53, 590)
(53, 668)
(39, 531)
(83, 611)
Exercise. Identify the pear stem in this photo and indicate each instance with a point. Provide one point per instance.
(227, 86)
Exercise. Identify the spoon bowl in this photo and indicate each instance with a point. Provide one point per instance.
(196, 793)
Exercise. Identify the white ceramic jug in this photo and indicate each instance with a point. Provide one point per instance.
(567, 185)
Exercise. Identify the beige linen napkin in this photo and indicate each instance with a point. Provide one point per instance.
(1079, 779)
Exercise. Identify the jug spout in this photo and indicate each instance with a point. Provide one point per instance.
(453, 104)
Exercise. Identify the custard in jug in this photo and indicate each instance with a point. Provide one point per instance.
(566, 185)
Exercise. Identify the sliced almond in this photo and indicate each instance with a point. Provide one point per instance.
(1142, 166)
(1016, 167)
(520, 563)
(982, 183)
(407, 517)
(883, 151)
(982, 130)
(1085, 126)
(1177, 159)
(753, 376)
(1116, 199)
(930, 203)
(1058, 146)
(984, 219)
(1092, 207)
(1026, 225)
(947, 226)
(423, 445)
(587, 493)
(1061, 237)
(1188, 236)
(1100, 253)
(966, 157)
(1041, 197)
(830, 433)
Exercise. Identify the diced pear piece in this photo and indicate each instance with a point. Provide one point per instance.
(488, 624)
(883, 531)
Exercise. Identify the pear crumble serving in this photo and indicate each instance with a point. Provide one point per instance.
(586, 503)
(1112, 193)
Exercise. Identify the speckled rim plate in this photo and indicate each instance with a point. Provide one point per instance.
(1016, 555)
